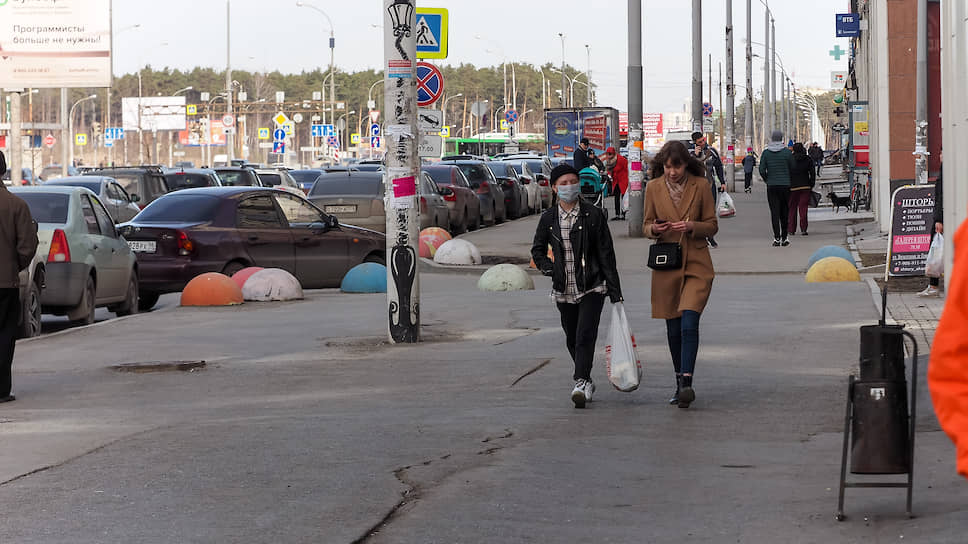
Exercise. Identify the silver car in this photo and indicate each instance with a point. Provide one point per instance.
(122, 206)
(88, 263)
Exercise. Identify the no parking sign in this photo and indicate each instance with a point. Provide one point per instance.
(430, 84)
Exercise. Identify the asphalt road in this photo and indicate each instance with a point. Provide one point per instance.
(305, 426)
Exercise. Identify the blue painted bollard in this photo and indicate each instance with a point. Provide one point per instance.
(365, 278)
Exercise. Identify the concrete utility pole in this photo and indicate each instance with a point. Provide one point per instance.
(696, 65)
(721, 137)
(635, 99)
(767, 93)
(921, 123)
(65, 133)
(711, 92)
(402, 170)
(773, 72)
(230, 137)
(730, 100)
(750, 115)
(588, 75)
(563, 77)
(783, 104)
(16, 141)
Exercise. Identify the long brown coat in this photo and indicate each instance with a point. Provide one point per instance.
(687, 288)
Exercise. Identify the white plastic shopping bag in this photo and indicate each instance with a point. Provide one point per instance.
(934, 266)
(725, 208)
(621, 359)
(625, 202)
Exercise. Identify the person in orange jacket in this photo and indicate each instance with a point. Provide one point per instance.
(948, 368)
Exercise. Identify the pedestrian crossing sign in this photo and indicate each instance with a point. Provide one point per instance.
(263, 133)
(191, 109)
(80, 139)
(445, 131)
(431, 33)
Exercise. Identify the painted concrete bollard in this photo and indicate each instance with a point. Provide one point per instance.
(829, 251)
(242, 275)
(365, 278)
(832, 269)
(505, 277)
(272, 284)
(211, 289)
(458, 252)
(432, 238)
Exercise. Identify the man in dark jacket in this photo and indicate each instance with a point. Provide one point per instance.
(749, 163)
(708, 155)
(816, 155)
(581, 155)
(18, 243)
(776, 162)
(583, 271)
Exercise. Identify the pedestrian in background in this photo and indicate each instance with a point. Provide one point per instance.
(618, 169)
(776, 161)
(583, 272)
(580, 157)
(595, 162)
(709, 157)
(934, 284)
(803, 178)
(749, 163)
(18, 243)
(680, 208)
(816, 154)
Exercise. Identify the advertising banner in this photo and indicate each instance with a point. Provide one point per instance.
(196, 135)
(156, 113)
(562, 130)
(55, 43)
(595, 128)
(911, 220)
(652, 126)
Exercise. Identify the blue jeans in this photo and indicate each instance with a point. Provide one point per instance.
(684, 341)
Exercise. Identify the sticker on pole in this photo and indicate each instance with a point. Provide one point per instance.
(430, 84)
(404, 189)
(431, 33)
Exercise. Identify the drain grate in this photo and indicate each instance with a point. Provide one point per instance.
(160, 366)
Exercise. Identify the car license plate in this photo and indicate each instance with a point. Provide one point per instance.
(340, 209)
(142, 247)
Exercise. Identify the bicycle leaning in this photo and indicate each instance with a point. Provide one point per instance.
(860, 195)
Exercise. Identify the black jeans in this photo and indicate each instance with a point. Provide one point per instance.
(617, 193)
(683, 333)
(9, 323)
(580, 322)
(779, 199)
(747, 180)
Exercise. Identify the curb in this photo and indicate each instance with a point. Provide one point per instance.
(428, 265)
(109, 321)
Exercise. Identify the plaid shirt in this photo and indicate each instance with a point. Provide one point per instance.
(566, 220)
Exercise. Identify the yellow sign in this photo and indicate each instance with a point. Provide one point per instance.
(191, 109)
(263, 133)
(431, 33)
(80, 139)
(504, 124)
(280, 119)
(289, 127)
(355, 138)
(445, 131)
(860, 126)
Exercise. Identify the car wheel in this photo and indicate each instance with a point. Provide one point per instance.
(375, 258)
(497, 219)
(83, 314)
(130, 305)
(147, 301)
(233, 267)
(31, 313)
(476, 224)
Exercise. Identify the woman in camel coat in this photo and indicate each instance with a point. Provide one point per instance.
(680, 208)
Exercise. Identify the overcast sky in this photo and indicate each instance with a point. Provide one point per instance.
(276, 34)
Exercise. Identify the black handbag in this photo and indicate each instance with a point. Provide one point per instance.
(665, 256)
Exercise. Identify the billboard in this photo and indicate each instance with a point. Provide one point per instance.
(564, 127)
(196, 135)
(55, 43)
(562, 130)
(156, 112)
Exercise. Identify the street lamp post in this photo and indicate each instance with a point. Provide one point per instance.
(588, 72)
(342, 141)
(70, 123)
(332, 47)
(230, 137)
(171, 154)
(446, 100)
(563, 76)
(107, 121)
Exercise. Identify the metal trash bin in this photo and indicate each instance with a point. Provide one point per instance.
(880, 428)
(882, 353)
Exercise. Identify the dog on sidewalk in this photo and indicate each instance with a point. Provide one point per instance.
(839, 201)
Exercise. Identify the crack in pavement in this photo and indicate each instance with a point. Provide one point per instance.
(541, 365)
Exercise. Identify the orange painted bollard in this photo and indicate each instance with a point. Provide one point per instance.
(243, 275)
(211, 289)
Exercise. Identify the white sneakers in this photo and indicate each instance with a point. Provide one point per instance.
(582, 393)
(931, 291)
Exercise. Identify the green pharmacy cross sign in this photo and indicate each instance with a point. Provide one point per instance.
(836, 52)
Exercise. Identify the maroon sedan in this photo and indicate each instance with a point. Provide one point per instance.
(465, 207)
(225, 229)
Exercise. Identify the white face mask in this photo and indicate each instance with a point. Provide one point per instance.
(568, 193)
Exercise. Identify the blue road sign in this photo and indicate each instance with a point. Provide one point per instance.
(707, 109)
(278, 147)
(374, 141)
(317, 131)
(432, 33)
(114, 133)
(374, 129)
(108, 143)
(332, 141)
(329, 130)
(279, 135)
(848, 25)
(511, 116)
(430, 84)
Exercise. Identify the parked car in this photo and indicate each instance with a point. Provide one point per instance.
(148, 182)
(54, 171)
(192, 178)
(26, 177)
(530, 183)
(184, 164)
(89, 264)
(465, 207)
(369, 165)
(280, 178)
(32, 281)
(489, 192)
(515, 197)
(540, 166)
(238, 176)
(190, 232)
(357, 198)
(306, 178)
(555, 161)
(122, 206)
